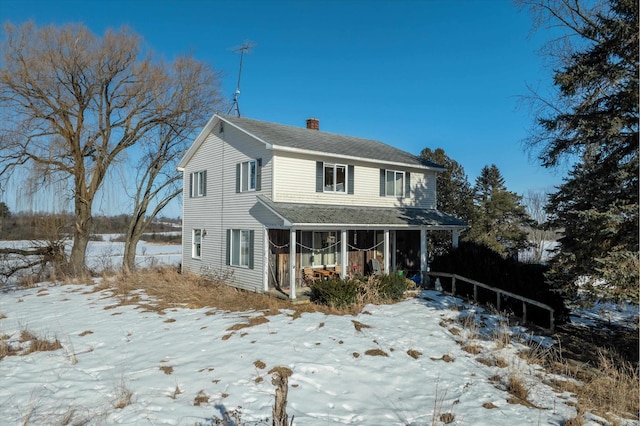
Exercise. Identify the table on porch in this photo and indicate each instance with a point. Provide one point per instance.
(324, 274)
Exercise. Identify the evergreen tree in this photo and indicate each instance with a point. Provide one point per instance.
(454, 196)
(499, 216)
(595, 121)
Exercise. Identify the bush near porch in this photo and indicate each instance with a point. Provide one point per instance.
(341, 293)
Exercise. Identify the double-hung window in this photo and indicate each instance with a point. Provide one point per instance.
(333, 177)
(394, 183)
(198, 184)
(196, 244)
(248, 175)
(240, 247)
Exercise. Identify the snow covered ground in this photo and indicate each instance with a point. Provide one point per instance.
(109, 348)
(401, 364)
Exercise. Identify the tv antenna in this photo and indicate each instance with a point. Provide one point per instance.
(245, 48)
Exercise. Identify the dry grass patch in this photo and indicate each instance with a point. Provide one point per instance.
(486, 361)
(85, 333)
(472, 349)
(200, 398)
(281, 370)
(123, 396)
(2, 316)
(177, 391)
(356, 355)
(447, 418)
(252, 322)
(516, 387)
(166, 369)
(489, 405)
(359, 326)
(414, 353)
(376, 352)
(501, 363)
(260, 365)
(445, 358)
(37, 344)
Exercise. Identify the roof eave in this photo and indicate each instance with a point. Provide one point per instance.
(349, 157)
(202, 136)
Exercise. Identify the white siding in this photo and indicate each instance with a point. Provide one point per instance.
(295, 181)
(222, 208)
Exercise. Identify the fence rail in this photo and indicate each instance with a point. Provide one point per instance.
(499, 294)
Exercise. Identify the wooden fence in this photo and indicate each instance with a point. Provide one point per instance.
(499, 294)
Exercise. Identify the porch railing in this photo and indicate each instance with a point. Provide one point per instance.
(499, 294)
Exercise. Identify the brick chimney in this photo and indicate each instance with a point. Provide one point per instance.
(313, 124)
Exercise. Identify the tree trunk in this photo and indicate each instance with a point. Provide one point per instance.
(81, 238)
(129, 258)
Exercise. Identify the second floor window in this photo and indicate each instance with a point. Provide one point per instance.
(332, 177)
(248, 175)
(198, 184)
(335, 177)
(394, 183)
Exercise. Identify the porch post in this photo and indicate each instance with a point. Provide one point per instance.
(393, 247)
(344, 260)
(424, 255)
(292, 264)
(386, 252)
(265, 258)
(454, 238)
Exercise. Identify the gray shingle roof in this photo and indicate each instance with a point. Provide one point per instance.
(323, 214)
(323, 142)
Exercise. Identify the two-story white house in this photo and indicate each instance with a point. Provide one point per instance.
(269, 203)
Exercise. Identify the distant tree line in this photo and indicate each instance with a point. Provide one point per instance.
(47, 226)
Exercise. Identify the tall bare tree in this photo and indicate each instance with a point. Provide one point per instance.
(535, 203)
(72, 104)
(156, 182)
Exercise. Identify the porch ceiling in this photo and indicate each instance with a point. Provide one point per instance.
(324, 215)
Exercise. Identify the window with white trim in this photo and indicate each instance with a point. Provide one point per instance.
(240, 247)
(196, 244)
(198, 183)
(335, 177)
(394, 183)
(248, 175)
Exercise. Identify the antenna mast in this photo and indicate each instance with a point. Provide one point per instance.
(246, 47)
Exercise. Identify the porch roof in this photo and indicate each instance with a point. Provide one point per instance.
(325, 215)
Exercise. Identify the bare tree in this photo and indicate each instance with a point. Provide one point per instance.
(157, 182)
(535, 203)
(72, 104)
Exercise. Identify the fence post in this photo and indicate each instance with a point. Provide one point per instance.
(524, 311)
(551, 321)
(498, 301)
(453, 285)
(475, 293)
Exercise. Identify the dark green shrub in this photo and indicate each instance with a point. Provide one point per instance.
(392, 286)
(334, 292)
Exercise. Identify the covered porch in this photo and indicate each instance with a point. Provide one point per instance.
(322, 241)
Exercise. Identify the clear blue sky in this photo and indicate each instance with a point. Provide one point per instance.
(413, 74)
